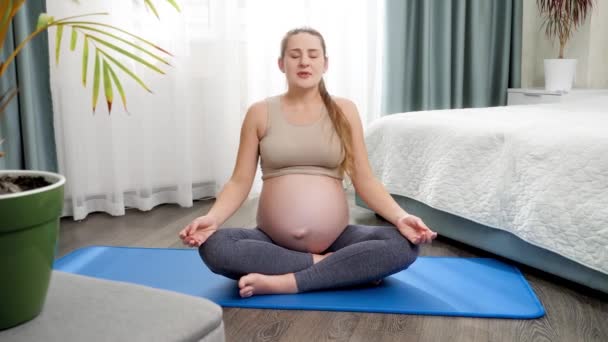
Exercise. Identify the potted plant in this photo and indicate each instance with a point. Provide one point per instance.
(561, 19)
(31, 201)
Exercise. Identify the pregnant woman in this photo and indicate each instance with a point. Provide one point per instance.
(306, 141)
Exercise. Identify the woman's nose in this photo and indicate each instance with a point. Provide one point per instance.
(304, 61)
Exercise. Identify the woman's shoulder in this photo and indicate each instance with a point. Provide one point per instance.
(348, 106)
(262, 105)
(258, 106)
(257, 116)
(344, 103)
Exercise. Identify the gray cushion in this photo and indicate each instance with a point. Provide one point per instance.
(81, 308)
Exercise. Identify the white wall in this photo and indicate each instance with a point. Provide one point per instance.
(589, 45)
(598, 52)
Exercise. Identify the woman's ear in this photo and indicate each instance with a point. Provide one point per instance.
(281, 64)
(326, 65)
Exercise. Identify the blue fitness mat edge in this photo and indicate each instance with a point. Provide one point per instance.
(266, 302)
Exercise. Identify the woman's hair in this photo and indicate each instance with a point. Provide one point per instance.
(338, 119)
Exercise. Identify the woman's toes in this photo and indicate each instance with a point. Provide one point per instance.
(243, 282)
(247, 291)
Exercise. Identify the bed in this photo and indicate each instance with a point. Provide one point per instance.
(528, 182)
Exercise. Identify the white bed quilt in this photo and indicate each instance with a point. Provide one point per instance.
(537, 171)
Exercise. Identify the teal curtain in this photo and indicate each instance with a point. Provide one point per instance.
(27, 123)
(451, 53)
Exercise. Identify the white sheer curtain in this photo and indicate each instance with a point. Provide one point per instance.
(180, 143)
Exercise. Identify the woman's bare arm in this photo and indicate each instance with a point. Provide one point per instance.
(372, 192)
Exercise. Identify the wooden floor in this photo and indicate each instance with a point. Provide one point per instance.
(573, 313)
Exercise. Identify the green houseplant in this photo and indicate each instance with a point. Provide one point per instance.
(561, 18)
(31, 201)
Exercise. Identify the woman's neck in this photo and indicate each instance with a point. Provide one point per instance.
(303, 96)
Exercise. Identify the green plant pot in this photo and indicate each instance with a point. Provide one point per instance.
(29, 227)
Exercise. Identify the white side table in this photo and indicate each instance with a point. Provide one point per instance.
(520, 96)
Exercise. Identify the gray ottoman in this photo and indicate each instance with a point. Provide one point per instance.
(81, 308)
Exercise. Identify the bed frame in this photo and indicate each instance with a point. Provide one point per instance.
(502, 243)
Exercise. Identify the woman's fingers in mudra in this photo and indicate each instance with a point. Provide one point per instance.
(415, 230)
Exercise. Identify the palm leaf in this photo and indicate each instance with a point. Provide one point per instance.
(64, 20)
(73, 39)
(118, 87)
(58, 42)
(7, 97)
(8, 10)
(96, 80)
(119, 30)
(151, 7)
(85, 60)
(125, 69)
(44, 20)
(160, 59)
(127, 53)
(107, 86)
(174, 4)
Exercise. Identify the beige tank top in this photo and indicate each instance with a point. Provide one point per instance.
(288, 148)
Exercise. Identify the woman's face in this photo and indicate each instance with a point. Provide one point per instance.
(304, 61)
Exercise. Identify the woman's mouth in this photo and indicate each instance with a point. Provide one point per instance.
(304, 74)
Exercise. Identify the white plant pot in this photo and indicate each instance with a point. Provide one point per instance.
(559, 74)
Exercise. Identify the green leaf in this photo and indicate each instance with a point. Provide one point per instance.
(126, 70)
(128, 54)
(7, 14)
(118, 87)
(6, 98)
(151, 6)
(64, 20)
(119, 30)
(96, 80)
(44, 20)
(107, 86)
(8, 9)
(174, 4)
(73, 39)
(58, 42)
(160, 59)
(6, 94)
(85, 60)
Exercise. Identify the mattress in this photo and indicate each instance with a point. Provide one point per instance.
(539, 172)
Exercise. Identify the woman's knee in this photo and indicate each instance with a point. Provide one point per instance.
(213, 250)
(404, 252)
(409, 254)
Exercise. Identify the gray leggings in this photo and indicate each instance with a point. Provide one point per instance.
(361, 254)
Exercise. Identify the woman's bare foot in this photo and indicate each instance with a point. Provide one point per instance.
(257, 284)
(318, 257)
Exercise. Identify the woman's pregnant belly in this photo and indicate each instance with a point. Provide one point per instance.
(303, 212)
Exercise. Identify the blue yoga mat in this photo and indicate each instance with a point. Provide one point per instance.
(472, 287)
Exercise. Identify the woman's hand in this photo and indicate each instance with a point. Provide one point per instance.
(415, 230)
(198, 231)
